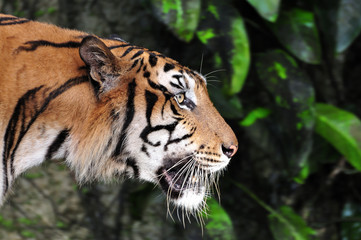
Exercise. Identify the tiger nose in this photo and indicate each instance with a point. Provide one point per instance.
(229, 151)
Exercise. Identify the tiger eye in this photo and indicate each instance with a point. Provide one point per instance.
(180, 98)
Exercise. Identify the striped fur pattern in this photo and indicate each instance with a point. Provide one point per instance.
(109, 109)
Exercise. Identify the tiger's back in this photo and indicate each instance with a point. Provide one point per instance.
(108, 108)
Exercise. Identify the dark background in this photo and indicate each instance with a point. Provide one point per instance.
(286, 78)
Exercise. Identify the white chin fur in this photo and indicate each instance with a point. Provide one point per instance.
(191, 200)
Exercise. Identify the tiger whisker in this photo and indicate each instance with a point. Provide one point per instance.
(169, 192)
(200, 68)
(176, 164)
(178, 175)
(219, 70)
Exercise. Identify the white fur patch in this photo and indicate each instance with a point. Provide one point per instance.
(191, 200)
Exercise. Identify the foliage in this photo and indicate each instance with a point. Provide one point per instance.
(293, 63)
(267, 9)
(218, 223)
(285, 223)
(342, 129)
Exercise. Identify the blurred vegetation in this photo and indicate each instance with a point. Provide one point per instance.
(285, 76)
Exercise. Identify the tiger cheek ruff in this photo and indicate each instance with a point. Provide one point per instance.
(108, 108)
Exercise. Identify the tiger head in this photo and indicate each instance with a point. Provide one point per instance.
(163, 124)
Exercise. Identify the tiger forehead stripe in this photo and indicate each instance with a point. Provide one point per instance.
(168, 67)
(137, 54)
(152, 59)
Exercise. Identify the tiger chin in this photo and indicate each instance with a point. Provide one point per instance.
(109, 109)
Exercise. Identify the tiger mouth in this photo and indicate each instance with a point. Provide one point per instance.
(176, 179)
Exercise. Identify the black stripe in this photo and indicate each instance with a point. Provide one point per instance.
(158, 87)
(174, 110)
(119, 46)
(145, 150)
(137, 54)
(8, 18)
(149, 129)
(134, 64)
(150, 99)
(178, 139)
(33, 45)
(168, 67)
(152, 59)
(146, 74)
(175, 85)
(12, 21)
(59, 140)
(129, 115)
(127, 51)
(178, 76)
(114, 115)
(141, 64)
(132, 163)
(167, 98)
(28, 104)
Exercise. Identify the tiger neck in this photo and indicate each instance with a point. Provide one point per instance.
(92, 146)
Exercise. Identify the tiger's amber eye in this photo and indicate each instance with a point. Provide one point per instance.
(180, 98)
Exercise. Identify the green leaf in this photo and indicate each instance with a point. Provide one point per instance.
(342, 129)
(222, 25)
(219, 224)
(303, 174)
(205, 35)
(181, 16)
(268, 9)
(292, 109)
(339, 21)
(255, 114)
(349, 23)
(296, 30)
(240, 55)
(213, 10)
(285, 223)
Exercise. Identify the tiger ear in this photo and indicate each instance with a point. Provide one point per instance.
(102, 64)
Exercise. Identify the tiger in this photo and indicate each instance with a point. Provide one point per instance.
(109, 110)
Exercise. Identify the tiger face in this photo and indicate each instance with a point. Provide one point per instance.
(175, 138)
